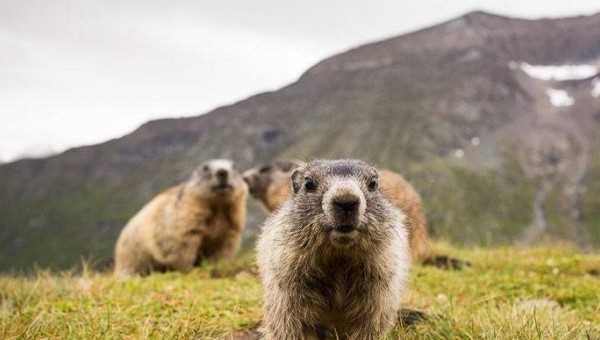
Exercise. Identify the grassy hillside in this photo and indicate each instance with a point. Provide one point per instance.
(509, 293)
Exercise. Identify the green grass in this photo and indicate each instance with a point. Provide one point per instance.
(550, 292)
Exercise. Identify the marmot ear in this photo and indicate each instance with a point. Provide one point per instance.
(296, 180)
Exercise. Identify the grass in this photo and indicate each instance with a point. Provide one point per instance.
(550, 292)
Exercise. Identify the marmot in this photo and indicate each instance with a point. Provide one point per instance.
(271, 185)
(202, 218)
(334, 259)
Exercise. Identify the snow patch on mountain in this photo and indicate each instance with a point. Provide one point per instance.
(596, 87)
(556, 72)
(559, 98)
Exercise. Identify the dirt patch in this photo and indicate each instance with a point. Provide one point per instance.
(406, 318)
(594, 272)
(244, 335)
(446, 262)
(410, 317)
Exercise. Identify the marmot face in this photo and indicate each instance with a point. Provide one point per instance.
(262, 178)
(217, 179)
(339, 204)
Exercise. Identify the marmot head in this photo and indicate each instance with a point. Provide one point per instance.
(339, 203)
(270, 183)
(217, 178)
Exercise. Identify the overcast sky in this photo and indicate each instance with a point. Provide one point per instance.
(84, 71)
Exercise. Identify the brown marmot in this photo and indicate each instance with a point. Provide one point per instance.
(202, 218)
(334, 259)
(270, 184)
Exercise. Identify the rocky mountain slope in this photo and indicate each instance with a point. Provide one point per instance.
(503, 150)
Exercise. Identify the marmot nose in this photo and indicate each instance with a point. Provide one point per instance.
(345, 228)
(346, 204)
(222, 174)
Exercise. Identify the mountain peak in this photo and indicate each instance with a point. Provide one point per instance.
(483, 18)
(482, 14)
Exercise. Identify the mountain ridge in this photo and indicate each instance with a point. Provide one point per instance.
(442, 105)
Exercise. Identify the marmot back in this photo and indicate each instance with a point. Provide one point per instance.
(334, 258)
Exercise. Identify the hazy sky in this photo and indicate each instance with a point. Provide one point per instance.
(83, 71)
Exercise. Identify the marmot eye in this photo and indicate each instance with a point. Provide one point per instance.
(310, 184)
(205, 168)
(373, 184)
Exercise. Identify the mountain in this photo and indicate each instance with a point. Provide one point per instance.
(502, 149)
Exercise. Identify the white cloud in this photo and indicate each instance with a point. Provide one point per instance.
(64, 93)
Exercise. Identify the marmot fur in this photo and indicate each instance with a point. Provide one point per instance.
(270, 184)
(334, 259)
(202, 218)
